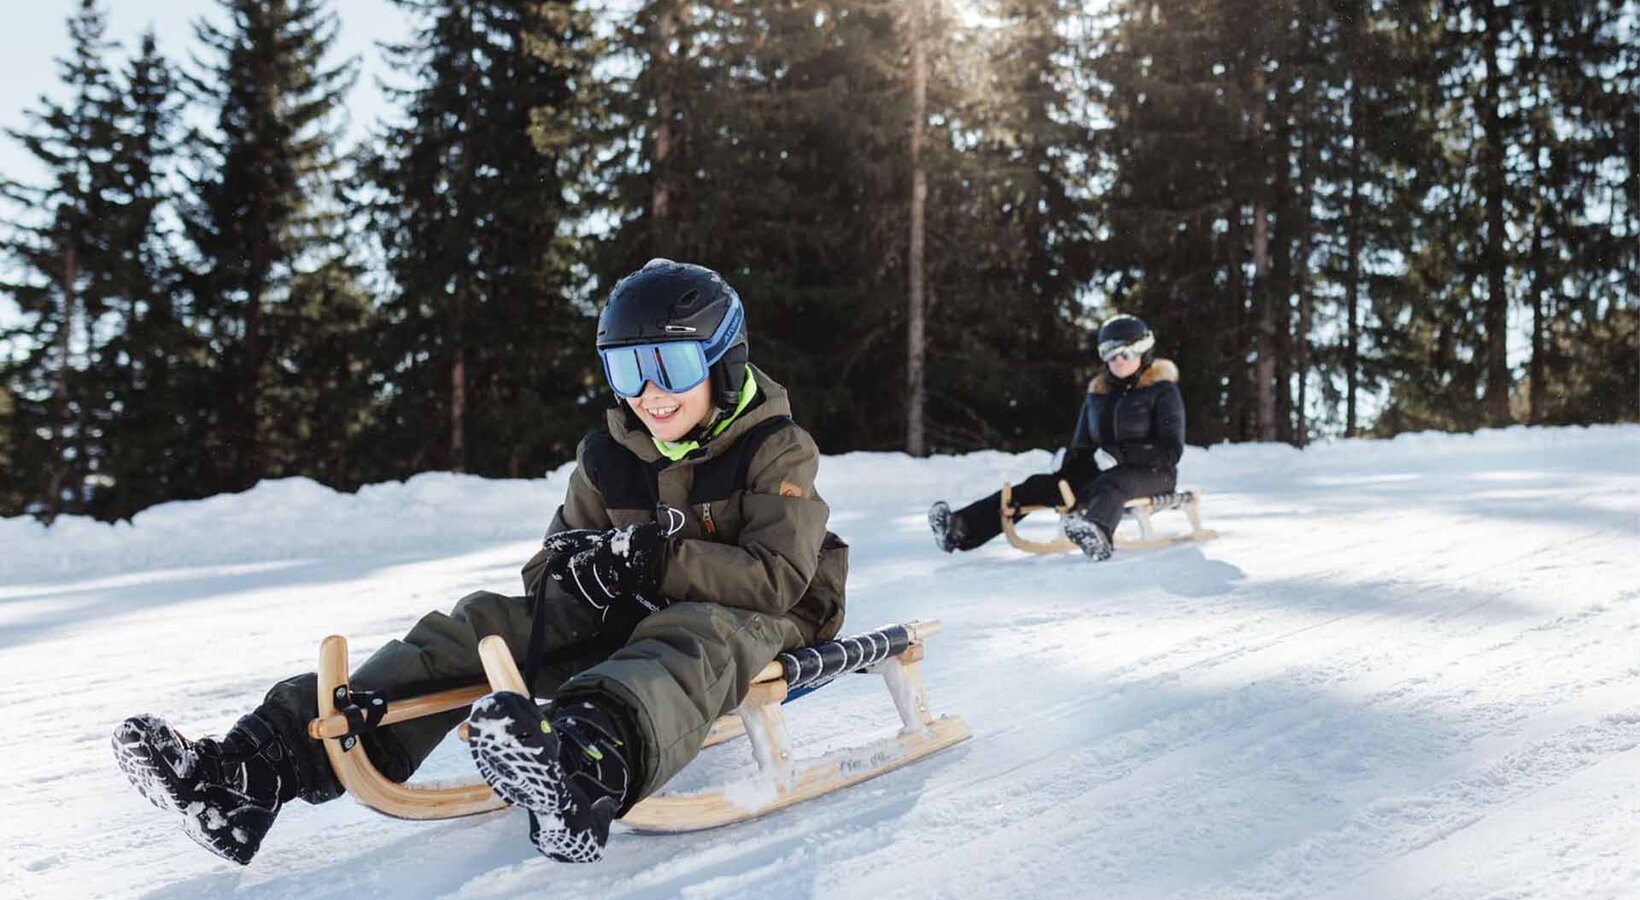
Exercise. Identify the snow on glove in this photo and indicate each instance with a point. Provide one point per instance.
(572, 541)
(616, 569)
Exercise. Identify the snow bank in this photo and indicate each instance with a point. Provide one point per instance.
(288, 518)
(296, 518)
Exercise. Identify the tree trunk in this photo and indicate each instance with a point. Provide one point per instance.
(660, 202)
(1306, 168)
(59, 417)
(1281, 272)
(916, 340)
(458, 381)
(1497, 301)
(1263, 300)
(1234, 345)
(1539, 394)
(249, 469)
(1537, 397)
(1352, 284)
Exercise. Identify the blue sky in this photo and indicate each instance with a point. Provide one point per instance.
(35, 33)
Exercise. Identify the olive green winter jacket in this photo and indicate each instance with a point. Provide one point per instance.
(746, 532)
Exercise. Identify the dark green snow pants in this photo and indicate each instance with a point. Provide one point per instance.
(670, 675)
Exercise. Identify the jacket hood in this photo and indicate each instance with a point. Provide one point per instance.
(772, 401)
(1158, 371)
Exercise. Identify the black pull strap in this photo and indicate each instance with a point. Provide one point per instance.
(538, 632)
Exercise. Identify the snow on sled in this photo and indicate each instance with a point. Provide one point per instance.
(781, 781)
(1138, 510)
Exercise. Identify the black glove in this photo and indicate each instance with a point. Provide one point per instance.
(1078, 467)
(619, 569)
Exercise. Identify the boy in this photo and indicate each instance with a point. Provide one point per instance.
(691, 548)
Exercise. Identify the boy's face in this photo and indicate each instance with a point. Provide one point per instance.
(671, 416)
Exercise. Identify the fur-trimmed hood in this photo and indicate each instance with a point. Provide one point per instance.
(1159, 370)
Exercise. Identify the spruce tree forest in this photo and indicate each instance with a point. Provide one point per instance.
(1341, 217)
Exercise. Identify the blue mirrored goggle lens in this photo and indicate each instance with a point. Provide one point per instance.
(675, 367)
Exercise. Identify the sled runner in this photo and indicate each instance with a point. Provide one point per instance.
(1139, 509)
(781, 780)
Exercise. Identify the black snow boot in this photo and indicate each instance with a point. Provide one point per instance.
(1089, 535)
(949, 529)
(571, 771)
(227, 790)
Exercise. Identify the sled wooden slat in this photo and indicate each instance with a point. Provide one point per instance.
(335, 726)
(1140, 509)
(1058, 545)
(714, 809)
(781, 781)
(366, 783)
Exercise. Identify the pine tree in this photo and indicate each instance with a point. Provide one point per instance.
(1173, 235)
(260, 218)
(1013, 219)
(1580, 74)
(63, 249)
(1525, 212)
(768, 141)
(487, 342)
(147, 369)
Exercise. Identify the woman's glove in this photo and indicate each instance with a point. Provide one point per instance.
(615, 569)
(1078, 467)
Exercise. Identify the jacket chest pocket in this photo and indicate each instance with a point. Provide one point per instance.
(720, 520)
(1132, 419)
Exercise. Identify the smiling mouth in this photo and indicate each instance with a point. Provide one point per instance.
(660, 412)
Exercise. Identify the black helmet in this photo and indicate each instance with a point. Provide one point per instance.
(668, 301)
(1126, 333)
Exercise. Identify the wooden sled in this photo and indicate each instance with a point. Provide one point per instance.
(1139, 510)
(782, 780)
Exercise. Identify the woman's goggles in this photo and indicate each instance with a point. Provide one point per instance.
(1110, 351)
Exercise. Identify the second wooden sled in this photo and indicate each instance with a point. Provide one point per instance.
(782, 779)
(1139, 510)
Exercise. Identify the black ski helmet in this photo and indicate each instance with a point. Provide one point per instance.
(673, 301)
(1130, 333)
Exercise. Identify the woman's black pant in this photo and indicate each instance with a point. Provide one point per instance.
(1100, 499)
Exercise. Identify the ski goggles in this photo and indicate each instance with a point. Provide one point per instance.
(674, 366)
(1111, 351)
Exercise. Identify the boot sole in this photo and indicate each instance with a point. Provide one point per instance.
(1086, 538)
(510, 757)
(520, 763)
(939, 521)
(140, 746)
(137, 750)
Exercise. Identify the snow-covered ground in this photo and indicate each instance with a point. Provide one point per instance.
(1407, 668)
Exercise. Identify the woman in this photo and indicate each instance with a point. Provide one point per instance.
(1133, 413)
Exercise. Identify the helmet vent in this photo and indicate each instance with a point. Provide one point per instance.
(688, 299)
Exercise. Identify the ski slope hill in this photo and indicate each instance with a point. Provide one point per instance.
(1408, 668)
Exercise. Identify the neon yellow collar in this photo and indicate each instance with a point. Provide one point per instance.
(675, 452)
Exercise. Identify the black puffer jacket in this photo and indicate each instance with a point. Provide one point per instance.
(1147, 421)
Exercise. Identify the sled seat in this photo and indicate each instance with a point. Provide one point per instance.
(1139, 510)
(892, 652)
